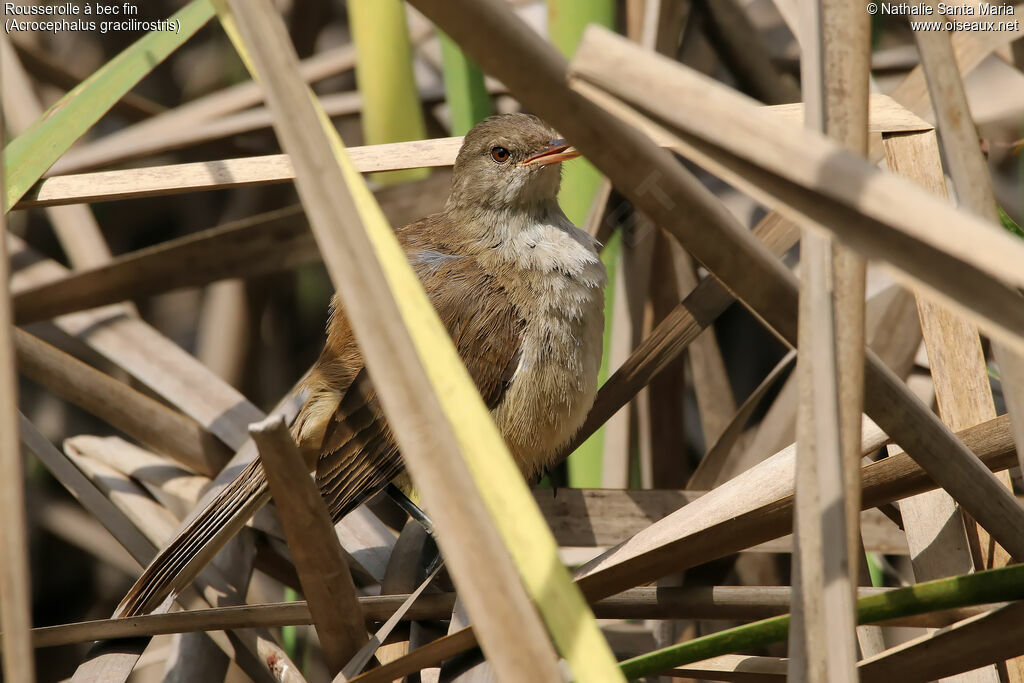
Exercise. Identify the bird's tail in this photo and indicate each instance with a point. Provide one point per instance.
(178, 564)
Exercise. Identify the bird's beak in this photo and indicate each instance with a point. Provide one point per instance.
(553, 152)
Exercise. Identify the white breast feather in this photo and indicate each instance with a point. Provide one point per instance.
(554, 384)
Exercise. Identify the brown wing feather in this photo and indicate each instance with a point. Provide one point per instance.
(359, 455)
(342, 427)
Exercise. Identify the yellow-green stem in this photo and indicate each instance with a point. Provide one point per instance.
(391, 101)
(566, 21)
(990, 586)
(464, 89)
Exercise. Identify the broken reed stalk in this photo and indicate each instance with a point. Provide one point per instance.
(146, 355)
(968, 393)
(250, 246)
(318, 557)
(707, 603)
(969, 170)
(968, 645)
(754, 507)
(268, 242)
(15, 586)
(120, 406)
(107, 664)
(889, 401)
(830, 366)
(207, 175)
(935, 526)
(894, 223)
(366, 653)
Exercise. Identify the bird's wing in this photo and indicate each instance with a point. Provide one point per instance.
(359, 455)
(181, 560)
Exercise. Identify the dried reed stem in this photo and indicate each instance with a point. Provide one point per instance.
(318, 556)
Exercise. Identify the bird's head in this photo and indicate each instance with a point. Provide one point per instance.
(509, 161)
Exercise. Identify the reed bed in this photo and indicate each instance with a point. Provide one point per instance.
(803, 462)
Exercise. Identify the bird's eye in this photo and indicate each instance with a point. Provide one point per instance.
(499, 154)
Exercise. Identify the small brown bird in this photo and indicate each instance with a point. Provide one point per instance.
(519, 289)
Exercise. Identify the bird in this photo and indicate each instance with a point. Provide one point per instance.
(520, 290)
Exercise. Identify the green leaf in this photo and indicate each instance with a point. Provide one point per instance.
(875, 570)
(464, 88)
(392, 111)
(580, 181)
(1009, 223)
(993, 373)
(28, 156)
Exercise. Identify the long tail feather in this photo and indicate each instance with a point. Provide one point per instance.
(177, 565)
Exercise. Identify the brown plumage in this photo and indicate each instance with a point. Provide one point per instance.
(518, 288)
